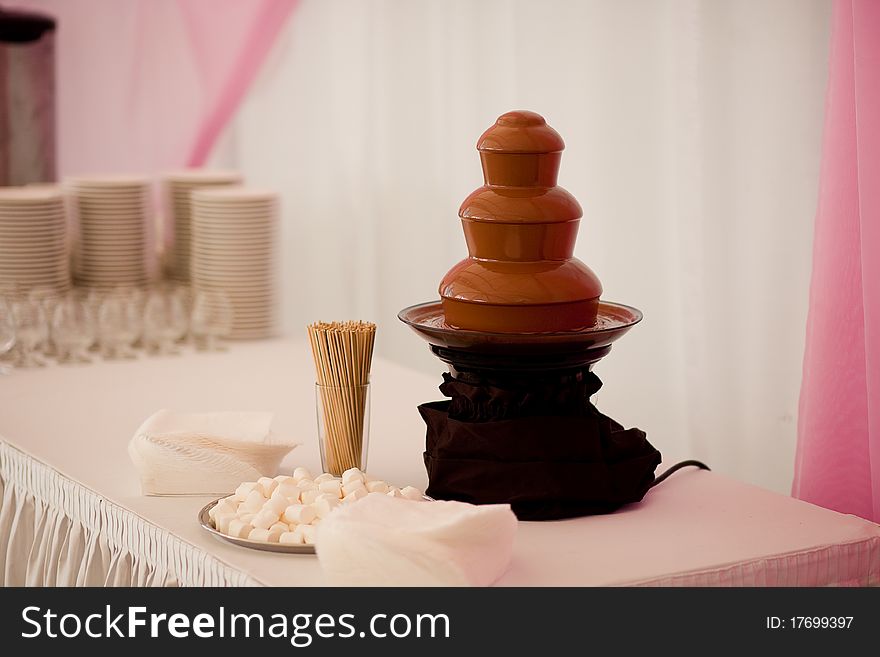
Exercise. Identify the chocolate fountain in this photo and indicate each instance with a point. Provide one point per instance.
(520, 324)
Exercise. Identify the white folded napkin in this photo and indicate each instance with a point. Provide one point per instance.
(387, 541)
(204, 453)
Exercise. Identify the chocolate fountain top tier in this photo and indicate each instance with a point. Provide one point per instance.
(520, 150)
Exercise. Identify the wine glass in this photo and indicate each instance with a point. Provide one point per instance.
(48, 297)
(73, 329)
(185, 296)
(137, 297)
(211, 318)
(165, 321)
(31, 329)
(119, 325)
(7, 332)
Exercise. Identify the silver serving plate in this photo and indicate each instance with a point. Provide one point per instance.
(208, 525)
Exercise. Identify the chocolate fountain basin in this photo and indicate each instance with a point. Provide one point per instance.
(482, 351)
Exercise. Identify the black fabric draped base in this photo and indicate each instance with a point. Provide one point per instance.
(539, 445)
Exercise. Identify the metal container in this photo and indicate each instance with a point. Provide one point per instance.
(27, 98)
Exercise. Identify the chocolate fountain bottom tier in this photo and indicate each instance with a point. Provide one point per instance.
(540, 446)
(535, 318)
(520, 297)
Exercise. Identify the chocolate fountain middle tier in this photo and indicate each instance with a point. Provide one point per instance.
(520, 228)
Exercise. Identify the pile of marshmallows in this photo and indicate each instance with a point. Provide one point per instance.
(288, 509)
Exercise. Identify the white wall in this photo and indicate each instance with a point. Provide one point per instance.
(693, 136)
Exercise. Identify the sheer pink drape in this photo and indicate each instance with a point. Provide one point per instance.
(146, 85)
(838, 456)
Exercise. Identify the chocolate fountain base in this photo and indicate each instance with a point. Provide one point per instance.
(540, 446)
(519, 427)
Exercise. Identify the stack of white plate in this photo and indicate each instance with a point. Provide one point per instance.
(235, 245)
(33, 239)
(113, 215)
(178, 186)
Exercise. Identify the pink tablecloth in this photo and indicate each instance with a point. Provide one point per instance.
(70, 491)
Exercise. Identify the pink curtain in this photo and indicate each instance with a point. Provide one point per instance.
(147, 85)
(838, 456)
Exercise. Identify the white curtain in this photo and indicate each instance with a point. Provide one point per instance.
(693, 143)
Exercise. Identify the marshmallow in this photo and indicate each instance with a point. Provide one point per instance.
(355, 495)
(265, 519)
(280, 527)
(352, 486)
(299, 514)
(325, 504)
(308, 534)
(333, 487)
(275, 532)
(394, 491)
(223, 506)
(377, 486)
(254, 501)
(302, 473)
(287, 490)
(321, 478)
(258, 534)
(240, 529)
(284, 478)
(245, 489)
(246, 517)
(279, 492)
(222, 520)
(276, 505)
(352, 474)
(309, 496)
(291, 538)
(306, 484)
(267, 485)
(412, 493)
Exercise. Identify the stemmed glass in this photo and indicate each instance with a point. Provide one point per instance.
(211, 318)
(7, 332)
(31, 329)
(184, 294)
(165, 321)
(48, 297)
(119, 325)
(73, 329)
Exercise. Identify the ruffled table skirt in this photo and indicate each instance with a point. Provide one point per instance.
(56, 532)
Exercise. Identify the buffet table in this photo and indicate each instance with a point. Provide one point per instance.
(72, 512)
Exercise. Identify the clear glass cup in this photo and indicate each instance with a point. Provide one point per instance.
(165, 321)
(211, 319)
(343, 414)
(119, 325)
(31, 330)
(7, 333)
(74, 329)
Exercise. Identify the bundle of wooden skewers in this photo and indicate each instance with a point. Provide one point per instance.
(343, 352)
